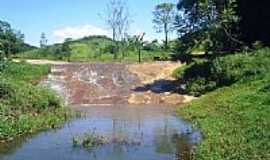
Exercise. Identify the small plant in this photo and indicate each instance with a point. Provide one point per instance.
(89, 140)
(257, 45)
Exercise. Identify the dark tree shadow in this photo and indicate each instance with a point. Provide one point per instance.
(160, 86)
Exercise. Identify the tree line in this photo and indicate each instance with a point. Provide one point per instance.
(215, 27)
(222, 26)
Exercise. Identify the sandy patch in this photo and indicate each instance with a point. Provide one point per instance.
(149, 72)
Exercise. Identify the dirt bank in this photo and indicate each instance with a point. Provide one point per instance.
(114, 83)
(158, 85)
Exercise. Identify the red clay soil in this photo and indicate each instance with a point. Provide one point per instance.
(96, 83)
(105, 83)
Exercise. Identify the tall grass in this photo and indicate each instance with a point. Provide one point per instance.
(25, 107)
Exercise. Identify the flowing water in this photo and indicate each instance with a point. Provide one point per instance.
(158, 133)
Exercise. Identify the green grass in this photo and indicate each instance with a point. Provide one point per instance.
(203, 76)
(91, 49)
(25, 72)
(234, 120)
(24, 107)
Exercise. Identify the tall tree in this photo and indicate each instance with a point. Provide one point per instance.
(210, 23)
(43, 40)
(11, 40)
(117, 17)
(65, 48)
(139, 45)
(164, 16)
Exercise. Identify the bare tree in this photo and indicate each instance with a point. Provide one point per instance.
(117, 17)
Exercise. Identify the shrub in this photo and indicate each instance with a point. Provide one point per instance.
(24, 107)
(203, 76)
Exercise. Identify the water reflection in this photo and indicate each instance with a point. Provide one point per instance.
(162, 136)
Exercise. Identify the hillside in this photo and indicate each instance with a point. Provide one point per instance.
(93, 48)
(233, 117)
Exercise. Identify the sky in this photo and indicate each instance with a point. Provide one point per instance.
(60, 19)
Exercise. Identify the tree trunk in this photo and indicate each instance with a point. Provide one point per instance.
(140, 56)
(115, 44)
(166, 36)
(114, 34)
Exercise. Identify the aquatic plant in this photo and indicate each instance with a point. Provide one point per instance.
(89, 140)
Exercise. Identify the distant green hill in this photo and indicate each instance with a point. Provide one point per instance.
(94, 48)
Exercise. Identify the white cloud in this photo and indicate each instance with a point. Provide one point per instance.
(78, 32)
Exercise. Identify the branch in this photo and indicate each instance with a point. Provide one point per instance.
(231, 37)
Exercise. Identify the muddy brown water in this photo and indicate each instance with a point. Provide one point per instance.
(161, 135)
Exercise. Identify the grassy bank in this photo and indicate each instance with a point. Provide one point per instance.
(24, 107)
(234, 119)
(203, 76)
(94, 48)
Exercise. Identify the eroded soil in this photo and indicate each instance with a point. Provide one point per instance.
(115, 83)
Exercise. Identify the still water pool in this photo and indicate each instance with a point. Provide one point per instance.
(162, 136)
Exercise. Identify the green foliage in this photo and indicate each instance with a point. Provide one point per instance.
(201, 77)
(179, 72)
(65, 50)
(152, 46)
(24, 107)
(234, 121)
(92, 49)
(11, 41)
(89, 140)
(24, 72)
(164, 15)
(257, 45)
(210, 24)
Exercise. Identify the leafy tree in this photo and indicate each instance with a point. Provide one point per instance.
(164, 15)
(211, 22)
(223, 25)
(11, 41)
(65, 49)
(43, 40)
(152, 46)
